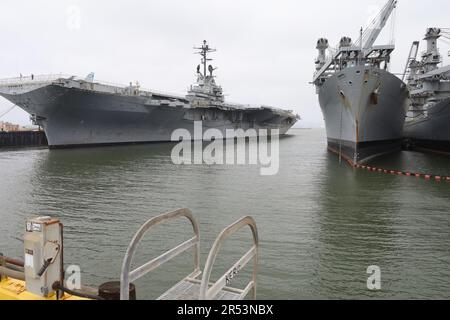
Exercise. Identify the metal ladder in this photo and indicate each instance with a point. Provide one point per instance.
(193, 287)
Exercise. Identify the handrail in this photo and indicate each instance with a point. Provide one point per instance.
(209, 293)
(15, 274)
(127, 276)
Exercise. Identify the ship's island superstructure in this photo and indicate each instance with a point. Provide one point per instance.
(427, 126)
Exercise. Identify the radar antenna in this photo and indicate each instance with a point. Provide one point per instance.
(203, 51)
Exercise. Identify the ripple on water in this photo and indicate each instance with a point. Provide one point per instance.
(321, 224)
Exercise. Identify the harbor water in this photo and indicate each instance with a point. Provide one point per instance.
(321, 223)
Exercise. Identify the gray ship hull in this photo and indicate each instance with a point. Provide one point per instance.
(431, 133)
(74, 117)
(364, 110)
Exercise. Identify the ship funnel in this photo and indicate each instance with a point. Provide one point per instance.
(322, 46)
(345, 42)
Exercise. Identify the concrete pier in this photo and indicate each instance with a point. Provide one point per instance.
(20, 139)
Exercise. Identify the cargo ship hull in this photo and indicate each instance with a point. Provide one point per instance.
(364, 110)
(431, 132)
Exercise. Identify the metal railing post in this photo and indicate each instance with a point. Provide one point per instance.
(207, 293)
(128, 276)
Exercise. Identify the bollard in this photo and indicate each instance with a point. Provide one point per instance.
(111, 291)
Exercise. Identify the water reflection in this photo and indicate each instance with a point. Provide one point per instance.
(321, 223)
(376, 219)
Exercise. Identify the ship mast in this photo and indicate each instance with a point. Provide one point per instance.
(205, 88)
(204, 50)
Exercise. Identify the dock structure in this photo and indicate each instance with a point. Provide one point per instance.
(21, 280)
(19, 139)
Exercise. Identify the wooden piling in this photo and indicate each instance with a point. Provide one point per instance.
(20, 139)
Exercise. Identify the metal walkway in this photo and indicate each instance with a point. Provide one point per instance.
(197, 285)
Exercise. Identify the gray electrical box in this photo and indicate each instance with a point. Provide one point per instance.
(43, 245)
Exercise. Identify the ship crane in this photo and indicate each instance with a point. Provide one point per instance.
(411, 58)
(365, 45)
(371, 34)
(428, 68)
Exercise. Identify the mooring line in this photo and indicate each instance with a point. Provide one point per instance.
(428, 177)
(8, 111)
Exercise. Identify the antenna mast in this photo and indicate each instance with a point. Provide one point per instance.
(204, 50)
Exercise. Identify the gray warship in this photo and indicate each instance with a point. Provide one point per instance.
(78, 112)
(427, 127)
(363, 104)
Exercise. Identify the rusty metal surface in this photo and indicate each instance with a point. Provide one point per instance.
(16, 262)
(111, 291)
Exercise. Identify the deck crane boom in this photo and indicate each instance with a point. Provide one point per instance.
(372, 32)
(412, 57)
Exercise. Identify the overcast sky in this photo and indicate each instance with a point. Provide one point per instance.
(266, 48)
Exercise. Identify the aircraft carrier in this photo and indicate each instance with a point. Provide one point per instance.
(83, 112)
(363, 104)
(427, 126)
